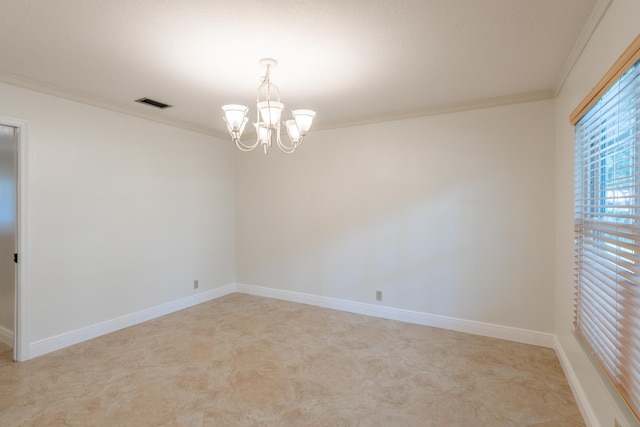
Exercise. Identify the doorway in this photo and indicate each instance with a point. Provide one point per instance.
(8, 235)
(14, 133)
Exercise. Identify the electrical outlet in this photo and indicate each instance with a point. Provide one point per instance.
(378, 295)
(195, 284)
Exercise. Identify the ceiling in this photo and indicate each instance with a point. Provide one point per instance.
(352, 61)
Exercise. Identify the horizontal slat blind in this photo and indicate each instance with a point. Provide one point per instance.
(607, 232)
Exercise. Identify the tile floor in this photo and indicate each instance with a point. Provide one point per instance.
(243, 360)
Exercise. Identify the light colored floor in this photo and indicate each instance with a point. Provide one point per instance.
(4, 348)
(242, 360)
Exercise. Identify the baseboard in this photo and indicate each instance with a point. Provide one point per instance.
(58, 342)
(472, 327)
(578, 392)
(6, 336)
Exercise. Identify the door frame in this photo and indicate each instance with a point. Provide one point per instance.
(20, 327)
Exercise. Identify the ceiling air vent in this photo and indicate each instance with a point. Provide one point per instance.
(153, 103)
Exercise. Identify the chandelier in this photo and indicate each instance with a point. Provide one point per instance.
(267, 124)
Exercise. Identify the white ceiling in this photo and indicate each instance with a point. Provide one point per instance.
(351, 61)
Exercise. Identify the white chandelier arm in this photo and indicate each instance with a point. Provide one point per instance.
(284, 148)
(244, 147)
(288, 149)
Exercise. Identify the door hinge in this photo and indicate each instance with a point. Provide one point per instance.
(15, 258)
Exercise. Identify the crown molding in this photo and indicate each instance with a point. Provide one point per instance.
(364, 120)
(585, 35)
(442, 109)
(104, 103)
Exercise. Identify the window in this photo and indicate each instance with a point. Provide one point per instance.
(607, 224)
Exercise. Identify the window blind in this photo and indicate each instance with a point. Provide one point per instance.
(607, 232)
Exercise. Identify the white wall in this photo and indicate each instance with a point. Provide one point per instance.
(449, 215)
(124, 213)
(615, 32)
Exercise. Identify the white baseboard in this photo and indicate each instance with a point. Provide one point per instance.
(6, 336)
(472, 327)
(578, 392)
(58, 342)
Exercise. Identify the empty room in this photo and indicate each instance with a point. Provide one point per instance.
(320, 213)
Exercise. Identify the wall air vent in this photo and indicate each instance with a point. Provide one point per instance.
(153, 103)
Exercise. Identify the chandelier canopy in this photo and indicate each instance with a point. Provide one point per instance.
(268, 113)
